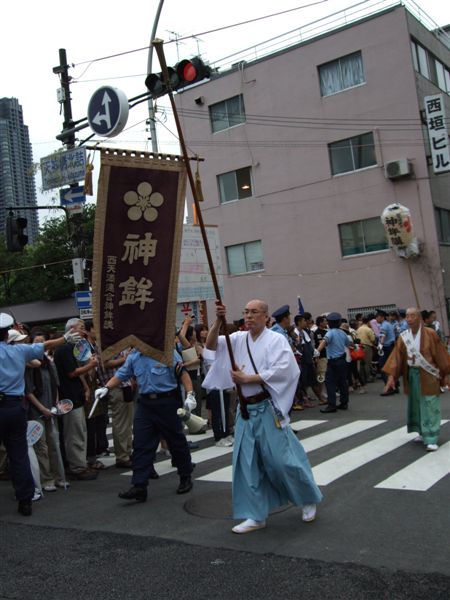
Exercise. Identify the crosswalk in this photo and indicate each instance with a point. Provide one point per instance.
(418, 475)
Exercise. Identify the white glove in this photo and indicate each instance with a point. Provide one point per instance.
(101, 393)
(316, 353)
(380, 347)
(190, 403)
(72, 337)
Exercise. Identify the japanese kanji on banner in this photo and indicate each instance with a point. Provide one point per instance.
(396, 220)
(137, 245)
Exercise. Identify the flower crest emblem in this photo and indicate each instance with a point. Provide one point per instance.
(143, 203)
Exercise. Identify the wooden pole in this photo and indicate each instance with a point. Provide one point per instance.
(158, 45)
(413, 283)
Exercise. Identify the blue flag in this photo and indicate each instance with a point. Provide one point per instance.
(301, 310)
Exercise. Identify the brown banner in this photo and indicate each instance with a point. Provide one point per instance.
(137, 243)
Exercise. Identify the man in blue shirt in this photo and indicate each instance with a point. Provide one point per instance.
(335, 341)
(386, 342)
(13, 420)
(282, 318)
(155, 417)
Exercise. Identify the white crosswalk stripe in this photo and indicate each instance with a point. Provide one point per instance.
(422, 473)
(419, 475)
(309, 444)
(344, 463)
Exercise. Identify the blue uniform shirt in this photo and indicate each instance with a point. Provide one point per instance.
(387, 329)
(152, 376)
(13, 359)
(403, 326)
(277, 327)
(337, 342)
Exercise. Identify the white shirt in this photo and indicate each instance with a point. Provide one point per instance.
(274, 361)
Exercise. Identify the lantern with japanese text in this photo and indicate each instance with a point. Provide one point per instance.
(397, 223)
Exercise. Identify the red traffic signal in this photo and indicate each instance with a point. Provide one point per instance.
(186, 72)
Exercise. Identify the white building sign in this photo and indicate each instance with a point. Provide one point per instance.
(437, 131)
(195, 281)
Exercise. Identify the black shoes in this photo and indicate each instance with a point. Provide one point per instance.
(389, 393)
(185, 485)
(134, 493)
(24, 508)
(342, 406)
(328, 409)
(153, 474)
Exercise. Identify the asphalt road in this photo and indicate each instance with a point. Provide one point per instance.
(367, 541)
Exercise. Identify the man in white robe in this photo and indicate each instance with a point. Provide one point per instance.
(270, 467)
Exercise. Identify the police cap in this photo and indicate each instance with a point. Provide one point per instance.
(281, 312)
(334, 316)
(6, 321)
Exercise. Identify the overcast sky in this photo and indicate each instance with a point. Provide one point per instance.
(32, 33)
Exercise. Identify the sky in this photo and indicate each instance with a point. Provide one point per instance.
(33, 32)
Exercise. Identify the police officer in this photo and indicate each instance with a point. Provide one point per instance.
(13, 420)
(282, 318)
(336, 341)
(155, 417)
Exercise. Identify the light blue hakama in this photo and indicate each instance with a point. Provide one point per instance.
(270, 466)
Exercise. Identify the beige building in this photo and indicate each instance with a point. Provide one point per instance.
(305, 147)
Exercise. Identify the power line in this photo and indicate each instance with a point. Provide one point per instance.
(187, 37)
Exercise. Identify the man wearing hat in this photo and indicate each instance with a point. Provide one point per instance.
(13, 420)
(282, 318)
(335, 341)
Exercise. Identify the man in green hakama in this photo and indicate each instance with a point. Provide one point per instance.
(423, 360)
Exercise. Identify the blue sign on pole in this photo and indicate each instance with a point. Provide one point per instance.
(83, 299)
(108, 111)
(70, 196)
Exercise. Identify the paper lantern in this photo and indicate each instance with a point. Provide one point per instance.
(397, 223)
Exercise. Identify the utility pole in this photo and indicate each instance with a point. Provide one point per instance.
(76, 220)
(151, 108)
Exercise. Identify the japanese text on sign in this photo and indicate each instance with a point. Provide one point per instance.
(437, 131)
(63, 168)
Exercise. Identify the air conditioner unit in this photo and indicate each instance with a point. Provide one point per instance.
(398, 168)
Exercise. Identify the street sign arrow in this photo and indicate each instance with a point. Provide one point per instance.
(108, 111)
(106, 116)
(70, 196)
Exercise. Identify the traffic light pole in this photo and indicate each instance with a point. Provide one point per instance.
(68, 138)
(158, 45)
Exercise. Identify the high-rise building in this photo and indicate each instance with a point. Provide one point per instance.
(17, 185)
(305, 147)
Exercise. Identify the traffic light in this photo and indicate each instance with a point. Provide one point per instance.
(16, 239)
(184, 73)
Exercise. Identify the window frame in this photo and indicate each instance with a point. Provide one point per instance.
(241, 196)
(351, 145)
(243, 245)
(338, 62)
(361, 222)
(439, 213)
(226, 117)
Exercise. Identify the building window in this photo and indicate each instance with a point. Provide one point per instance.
(360, 237)
(341, 74)
(227, 114)
(245, 258)
(429, 66)
(443, 225)
(352, 154)
(235, 185)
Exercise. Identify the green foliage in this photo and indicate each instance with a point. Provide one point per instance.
(44, 271)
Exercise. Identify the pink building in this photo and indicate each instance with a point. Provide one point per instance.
(296, 146)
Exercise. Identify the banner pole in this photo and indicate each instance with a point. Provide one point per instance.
(158, 45)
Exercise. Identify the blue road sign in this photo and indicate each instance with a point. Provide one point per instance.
(74, 195)
(108, 111)
(83, 299)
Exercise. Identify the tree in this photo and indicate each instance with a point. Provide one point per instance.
(44, 270)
